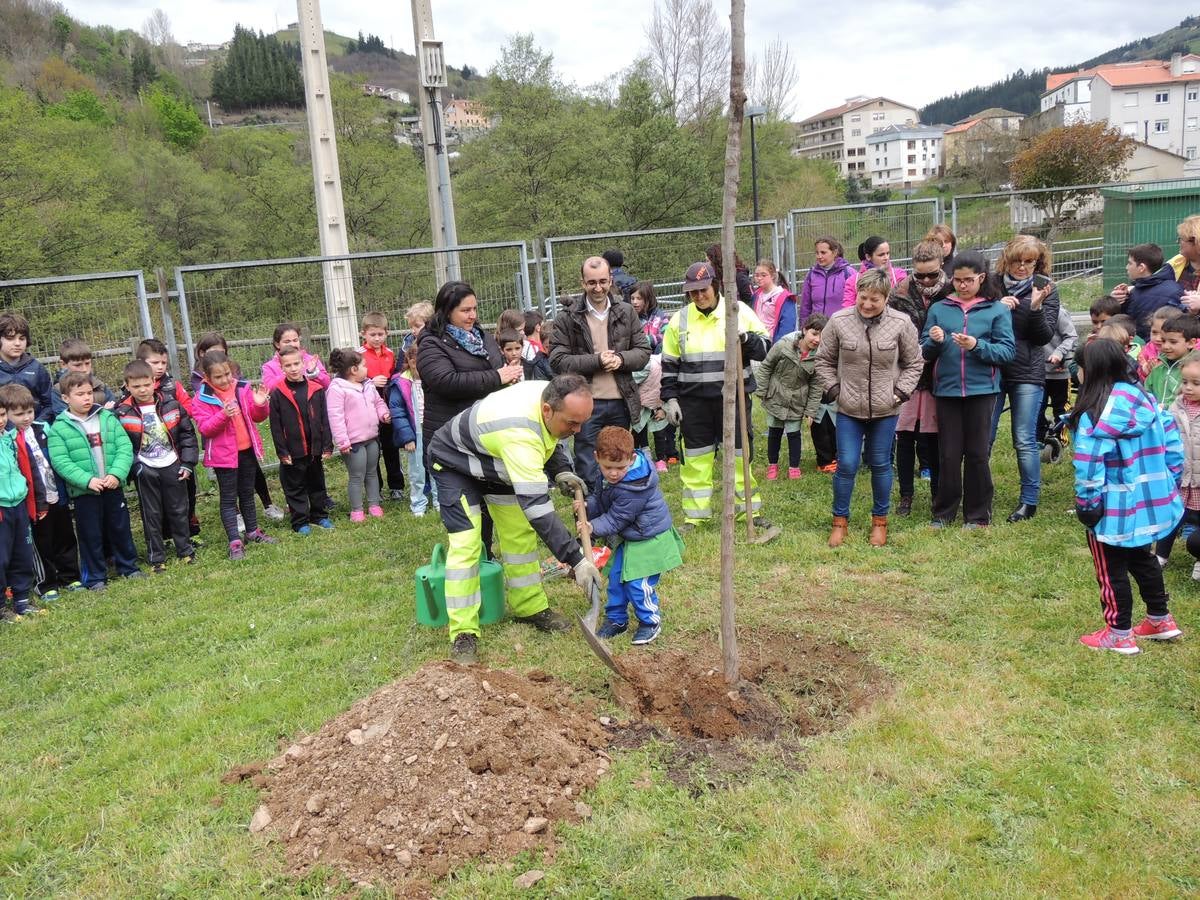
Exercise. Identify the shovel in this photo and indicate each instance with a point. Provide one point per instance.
(587, 623)
(752, 534)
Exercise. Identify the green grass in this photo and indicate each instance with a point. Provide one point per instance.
(1078, 294)
(1008, 760)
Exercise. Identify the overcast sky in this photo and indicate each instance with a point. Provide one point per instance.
(907, 50)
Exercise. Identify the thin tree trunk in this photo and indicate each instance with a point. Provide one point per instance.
(733, 374)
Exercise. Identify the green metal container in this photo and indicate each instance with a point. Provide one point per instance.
(430, 591)
(1144, 213)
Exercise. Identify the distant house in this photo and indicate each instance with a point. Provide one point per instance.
(905, 154)
(975, 137)
(840, 134)
(466, 115)
(394, 94)
(1155, 101)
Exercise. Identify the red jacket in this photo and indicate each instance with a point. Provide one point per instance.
(380, 362)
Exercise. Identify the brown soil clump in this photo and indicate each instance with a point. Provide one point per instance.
(446, 765)
(790, 683)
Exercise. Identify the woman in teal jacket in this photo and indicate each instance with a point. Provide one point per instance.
(968, 336)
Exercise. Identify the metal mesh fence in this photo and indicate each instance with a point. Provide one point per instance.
(1147, 212)
(108, 310)
(660, 256)
(902, 222)
(245, 301)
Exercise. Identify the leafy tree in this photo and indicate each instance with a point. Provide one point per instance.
(1070, 155)
(80, 106)
(56, 78)
(142, 65)
(180, 124)
(257, 71)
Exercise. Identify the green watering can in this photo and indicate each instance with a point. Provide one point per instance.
(431, 591)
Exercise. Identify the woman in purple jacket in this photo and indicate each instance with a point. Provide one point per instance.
(825, 283)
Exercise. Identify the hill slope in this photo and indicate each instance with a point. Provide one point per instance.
(1021, 91)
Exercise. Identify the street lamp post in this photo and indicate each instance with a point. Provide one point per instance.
(752, 113)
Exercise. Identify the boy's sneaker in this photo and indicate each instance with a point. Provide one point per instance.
(237, 550)
(772, 471)
(660, 466)
(1104, 639)
(463, 650)
(136, 573)
(926, 475)
(1164, 630)
(329, 504)
(325, 523)
(794, 473)
(188, 560)
(904, 507)
(829, 469)
(7, 615)
(303, 529)
(28, 608)
(76, 586)
(645, 634)
(357, 515)
(259, 536)
(159, 568)
(1196, 571)
(397, 494)
(196, 541)
(376, 511)
(274, 512)
(50, 596)
(99, 586)
(610, 629)
(418, 513)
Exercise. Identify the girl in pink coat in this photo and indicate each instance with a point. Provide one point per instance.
(355, 410)
(288, 335)
(874, 253)
(227, 412)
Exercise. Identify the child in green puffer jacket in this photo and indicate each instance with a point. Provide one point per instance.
(16, 540)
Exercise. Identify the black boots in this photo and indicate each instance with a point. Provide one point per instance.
(1023, 512)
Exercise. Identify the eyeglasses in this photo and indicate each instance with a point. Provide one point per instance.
(968, 279)
(927, 276)
(1025, 262)
(603, 282)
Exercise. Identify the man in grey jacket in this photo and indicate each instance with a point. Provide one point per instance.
(600, 337)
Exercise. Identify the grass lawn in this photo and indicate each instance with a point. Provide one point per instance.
(1007, 761)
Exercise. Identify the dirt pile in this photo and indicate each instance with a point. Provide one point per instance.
(446, 765)
(790, 683)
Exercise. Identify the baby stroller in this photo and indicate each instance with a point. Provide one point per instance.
(1058, 439)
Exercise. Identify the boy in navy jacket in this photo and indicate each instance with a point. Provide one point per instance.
(56, 561)
(16, 365)
(627, 505)
(303, 441)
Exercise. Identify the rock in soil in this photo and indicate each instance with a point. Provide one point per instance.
(428, 783)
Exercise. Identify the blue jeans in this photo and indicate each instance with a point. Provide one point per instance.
(878, 435)
(1025, 401)
(420, 490)
(604, 412)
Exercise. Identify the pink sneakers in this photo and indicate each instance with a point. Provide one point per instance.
(1157, 631)
(772, 472)
(661, 465)
(794, 472)
(357, 515)
(376, 511)
(1104, 639)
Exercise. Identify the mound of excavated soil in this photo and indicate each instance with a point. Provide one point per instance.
(446, 765)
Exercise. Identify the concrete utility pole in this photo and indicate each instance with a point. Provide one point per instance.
(327, 178)
(432, 66)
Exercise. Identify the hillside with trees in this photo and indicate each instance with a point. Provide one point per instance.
(107, 164)
(1022, 90)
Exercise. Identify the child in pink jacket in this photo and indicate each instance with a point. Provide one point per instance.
(288, 335)
(355, 410)
(227, 411)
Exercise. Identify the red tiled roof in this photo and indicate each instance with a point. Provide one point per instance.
(1146, 71)
(965, 126)
(847, 107)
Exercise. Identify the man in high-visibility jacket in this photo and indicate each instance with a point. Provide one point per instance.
(501, 452)
(693, 366)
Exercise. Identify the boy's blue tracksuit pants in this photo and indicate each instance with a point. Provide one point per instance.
(641, 593)
(16, 554)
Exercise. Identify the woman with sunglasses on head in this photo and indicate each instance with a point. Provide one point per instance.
(1022, 282)
(916, 430)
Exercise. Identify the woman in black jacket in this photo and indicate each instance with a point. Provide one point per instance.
(1022, 280)
(458, 362)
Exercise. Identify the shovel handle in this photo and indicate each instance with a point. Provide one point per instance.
(585, 537)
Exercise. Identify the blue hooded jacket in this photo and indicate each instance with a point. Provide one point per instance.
(633, 508)
(968, 373)
(1148, 294)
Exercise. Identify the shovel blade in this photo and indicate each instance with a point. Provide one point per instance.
(598, 647)
(592, 617)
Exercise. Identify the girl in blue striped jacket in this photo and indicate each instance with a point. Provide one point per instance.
(1128, 462)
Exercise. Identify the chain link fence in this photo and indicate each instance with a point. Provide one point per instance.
(902, 222)
(245, 301)
(108, 310)
(660, 255)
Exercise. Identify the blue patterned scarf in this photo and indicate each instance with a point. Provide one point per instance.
(471, 341)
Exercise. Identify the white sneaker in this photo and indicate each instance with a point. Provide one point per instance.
(398, 494)
(420, 512)
(1196, 571)
(241, 524)
(274, 512)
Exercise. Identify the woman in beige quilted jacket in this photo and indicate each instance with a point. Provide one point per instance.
(869, 360)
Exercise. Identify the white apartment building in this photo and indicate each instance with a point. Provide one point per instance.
(840, 134)
(905, 154)
(1156, 102)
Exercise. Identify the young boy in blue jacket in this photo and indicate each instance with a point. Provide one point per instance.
(626, 505)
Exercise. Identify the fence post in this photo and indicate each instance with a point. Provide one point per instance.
(168, 325)
(537, 274)
(185, 319)
(954, 214)
(550, 270)
(144, 306)
(523, 291)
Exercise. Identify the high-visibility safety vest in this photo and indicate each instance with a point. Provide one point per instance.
(693, 352)
(502, 439)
